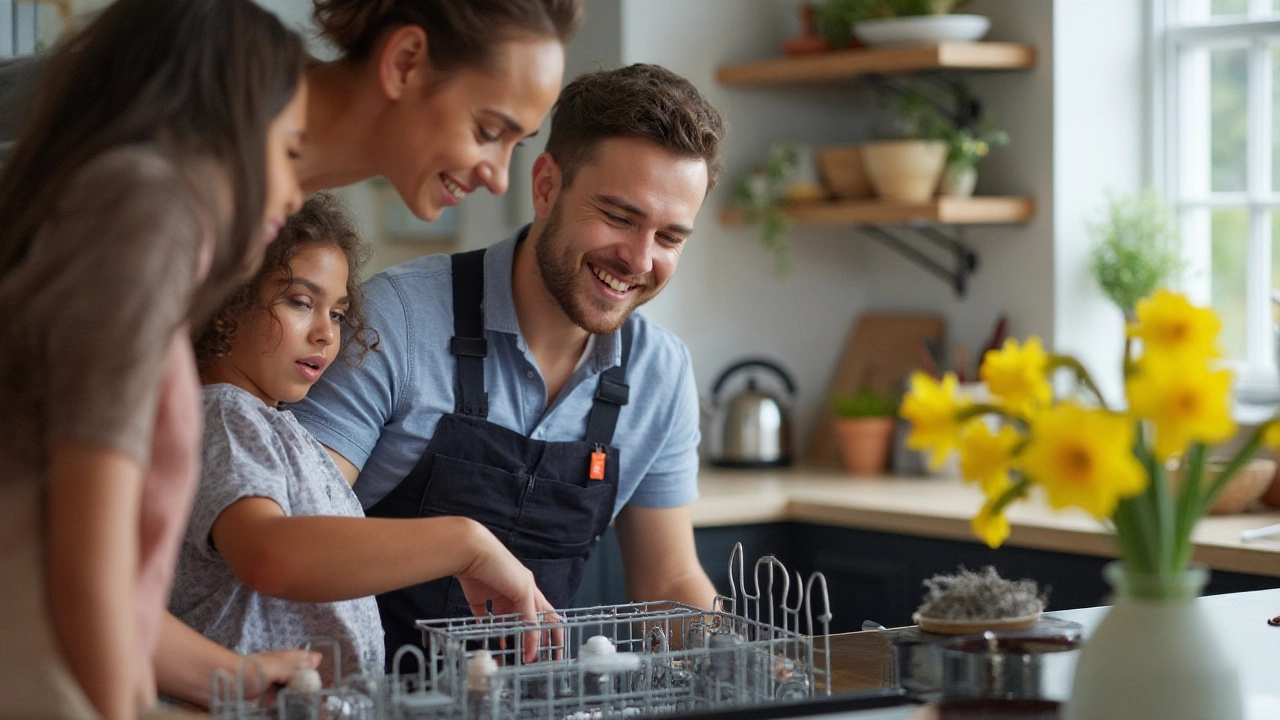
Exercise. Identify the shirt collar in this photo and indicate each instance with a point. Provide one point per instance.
(500, 306)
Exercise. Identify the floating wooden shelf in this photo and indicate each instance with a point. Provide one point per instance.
(958, 211)
(847, 64)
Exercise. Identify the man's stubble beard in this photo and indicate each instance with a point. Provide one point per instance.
(559, 271)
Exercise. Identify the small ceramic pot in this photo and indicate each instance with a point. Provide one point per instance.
(864, 443)
(958, 181)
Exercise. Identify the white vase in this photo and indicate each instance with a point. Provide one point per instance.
(1155, 656)
(958, 181)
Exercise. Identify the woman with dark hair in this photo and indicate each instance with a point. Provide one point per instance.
(433, 95)
(152, 170)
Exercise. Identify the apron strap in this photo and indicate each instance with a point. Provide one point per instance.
(612, 393)
(468, 344)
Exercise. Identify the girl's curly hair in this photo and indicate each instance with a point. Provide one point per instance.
(321, 221)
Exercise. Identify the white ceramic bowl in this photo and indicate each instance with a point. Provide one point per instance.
(922, 30)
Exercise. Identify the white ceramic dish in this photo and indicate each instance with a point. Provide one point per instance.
(970, 627)
(922, 30)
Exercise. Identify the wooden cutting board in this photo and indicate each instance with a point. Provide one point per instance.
(881, 352)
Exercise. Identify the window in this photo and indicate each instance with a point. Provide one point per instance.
(1216, 122)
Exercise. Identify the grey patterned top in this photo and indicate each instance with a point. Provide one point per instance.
(251, 450)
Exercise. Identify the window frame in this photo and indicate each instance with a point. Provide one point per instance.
(1171, 100)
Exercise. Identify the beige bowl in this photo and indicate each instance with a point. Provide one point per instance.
(842, 173)
(1248, 485)
(905, 171)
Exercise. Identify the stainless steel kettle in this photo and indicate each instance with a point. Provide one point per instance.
(756, 428)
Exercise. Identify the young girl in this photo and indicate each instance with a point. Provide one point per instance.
(278, 548)
(153, 167)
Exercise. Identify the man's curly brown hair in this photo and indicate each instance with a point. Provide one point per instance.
(321, 221)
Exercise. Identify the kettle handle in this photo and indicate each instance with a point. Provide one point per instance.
(752, 362)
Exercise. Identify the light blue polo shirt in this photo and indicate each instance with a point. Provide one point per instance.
(382, 414)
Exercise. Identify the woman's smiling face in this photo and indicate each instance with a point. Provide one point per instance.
(446, 140)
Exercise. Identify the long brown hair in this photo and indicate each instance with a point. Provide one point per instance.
(202, 79)
(321, 221)
(460, 33)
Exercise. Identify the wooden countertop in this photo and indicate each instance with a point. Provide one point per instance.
(941, 508)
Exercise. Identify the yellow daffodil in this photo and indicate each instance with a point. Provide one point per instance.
(1016, 374)
(1083, 458)
(1168, 324)
(931, 408)
(1187, 402)
(1271, 435)
(992, 527)
(987, 457)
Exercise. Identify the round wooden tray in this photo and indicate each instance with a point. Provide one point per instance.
(970, 627)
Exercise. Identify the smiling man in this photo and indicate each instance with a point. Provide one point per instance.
(517, 386)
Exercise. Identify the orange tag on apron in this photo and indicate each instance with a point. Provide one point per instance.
(597, 466)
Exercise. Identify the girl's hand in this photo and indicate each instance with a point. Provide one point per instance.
(496, 576)
(277, 668)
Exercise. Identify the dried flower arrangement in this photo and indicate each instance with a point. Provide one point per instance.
(979, 596)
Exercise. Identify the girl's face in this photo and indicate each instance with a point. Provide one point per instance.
(284, 138)
(448, 141)
(279, 359)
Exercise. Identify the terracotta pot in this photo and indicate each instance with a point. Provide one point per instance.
(842, 173)
(906, 171)
(864, 443)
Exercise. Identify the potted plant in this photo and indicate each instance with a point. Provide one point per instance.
(864, 424)
(1138, 249)
(907, 169)
(966, 147)
(788, 176)
(1079, 452)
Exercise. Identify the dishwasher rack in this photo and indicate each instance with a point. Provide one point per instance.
(608, 662)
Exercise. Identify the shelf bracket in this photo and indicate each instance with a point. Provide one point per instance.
(964, 261)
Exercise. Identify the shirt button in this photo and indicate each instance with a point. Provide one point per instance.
(529, 374)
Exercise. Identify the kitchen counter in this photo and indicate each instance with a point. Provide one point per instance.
(938, 507)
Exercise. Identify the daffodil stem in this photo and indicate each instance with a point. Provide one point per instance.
(1188, 504)
(979, 409)
(1014, 492)
(1082, 375)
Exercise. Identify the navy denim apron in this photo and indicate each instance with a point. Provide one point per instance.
(537, 497)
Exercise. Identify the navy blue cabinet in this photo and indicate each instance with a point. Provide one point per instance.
(878, 576)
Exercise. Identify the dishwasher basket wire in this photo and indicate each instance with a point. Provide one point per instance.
(754, 647)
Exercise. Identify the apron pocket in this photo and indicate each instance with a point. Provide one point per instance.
(483, 493)
(566, 517)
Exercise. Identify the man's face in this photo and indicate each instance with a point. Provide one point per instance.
(613, 238)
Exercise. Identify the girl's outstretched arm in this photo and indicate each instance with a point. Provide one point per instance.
(94, 494)
(326, 558)
(185, 662)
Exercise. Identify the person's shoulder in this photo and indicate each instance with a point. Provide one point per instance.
(126, 176)
(231, 408)
(653, 341)
(426, 269)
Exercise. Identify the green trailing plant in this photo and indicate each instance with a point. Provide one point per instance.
(1138, 250)
(758, 196)
(867, 403)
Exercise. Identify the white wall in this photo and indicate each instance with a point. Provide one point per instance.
(1100, 144)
